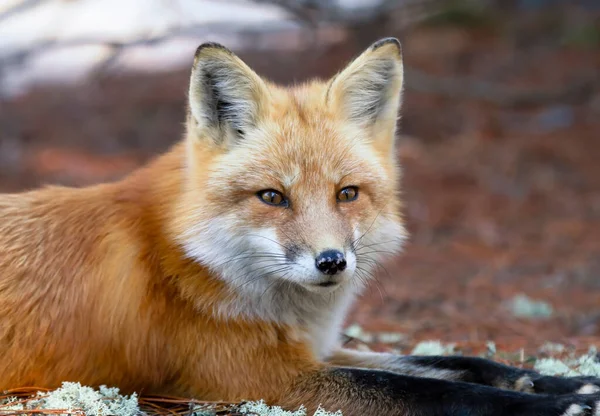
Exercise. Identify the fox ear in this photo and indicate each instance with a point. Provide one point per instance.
(368, 91)
(225, 94)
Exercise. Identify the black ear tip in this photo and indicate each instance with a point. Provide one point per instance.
(210, 45)
(386, 41)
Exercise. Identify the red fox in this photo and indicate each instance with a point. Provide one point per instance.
(223, 269)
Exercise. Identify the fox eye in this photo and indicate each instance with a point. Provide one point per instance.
(349, 193)
(272, 197)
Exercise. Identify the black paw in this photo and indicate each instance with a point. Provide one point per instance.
(516, 380)
(578, 405)
(564, 385)
(564, 405)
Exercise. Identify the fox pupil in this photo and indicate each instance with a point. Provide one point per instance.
(348, 194)
(272, 198)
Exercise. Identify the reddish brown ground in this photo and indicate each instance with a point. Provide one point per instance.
(497, 201)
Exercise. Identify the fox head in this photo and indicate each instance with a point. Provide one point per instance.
(292, 187)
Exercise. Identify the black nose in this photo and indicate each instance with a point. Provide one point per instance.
(330, 262)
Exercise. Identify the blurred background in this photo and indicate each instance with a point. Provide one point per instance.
(500, 137)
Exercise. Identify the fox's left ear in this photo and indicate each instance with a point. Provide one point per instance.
(368, 91)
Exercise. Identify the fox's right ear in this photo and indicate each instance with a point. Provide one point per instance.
(225, 95)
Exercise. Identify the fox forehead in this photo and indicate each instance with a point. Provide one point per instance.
(299, 139)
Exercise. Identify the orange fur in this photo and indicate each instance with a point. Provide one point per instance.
(85, 295)
(96, 284)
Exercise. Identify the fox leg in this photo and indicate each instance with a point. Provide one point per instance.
(365, 392)
(468, 369)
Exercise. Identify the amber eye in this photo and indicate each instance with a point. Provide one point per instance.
(272, 197)
(348, 194)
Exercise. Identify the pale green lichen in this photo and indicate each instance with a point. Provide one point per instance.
(433, 348)
(491, 348)
(356, 331)
(261, 409)
(553, 367)
(201, 412)
(390, 337)
(584, 365)
(524, 307)
(10, 405)
(73, 397)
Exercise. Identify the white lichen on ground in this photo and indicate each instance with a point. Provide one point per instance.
(11, 404)
(491, 348)
(261, 409)
(75, 397)
(390, 337)
(523, 306)
(356, 331)
(584, 365)
(433, 348)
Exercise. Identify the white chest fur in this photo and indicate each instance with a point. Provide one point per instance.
(318, 317)
(324, 329)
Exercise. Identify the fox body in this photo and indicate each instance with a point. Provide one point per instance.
(224, 268)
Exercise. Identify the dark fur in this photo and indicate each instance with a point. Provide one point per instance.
(362, 392)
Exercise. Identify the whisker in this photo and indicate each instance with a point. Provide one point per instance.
(353, 244)
(247, 256)
(361, 273)
(258, 270)
(270, 265)
(378, 265)
(268, 273)
(375, 252)
(256, 274)
(255, 279)
(262, 296)
(270, 239)
(293, 249)
(378, 244)
(363, 277)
